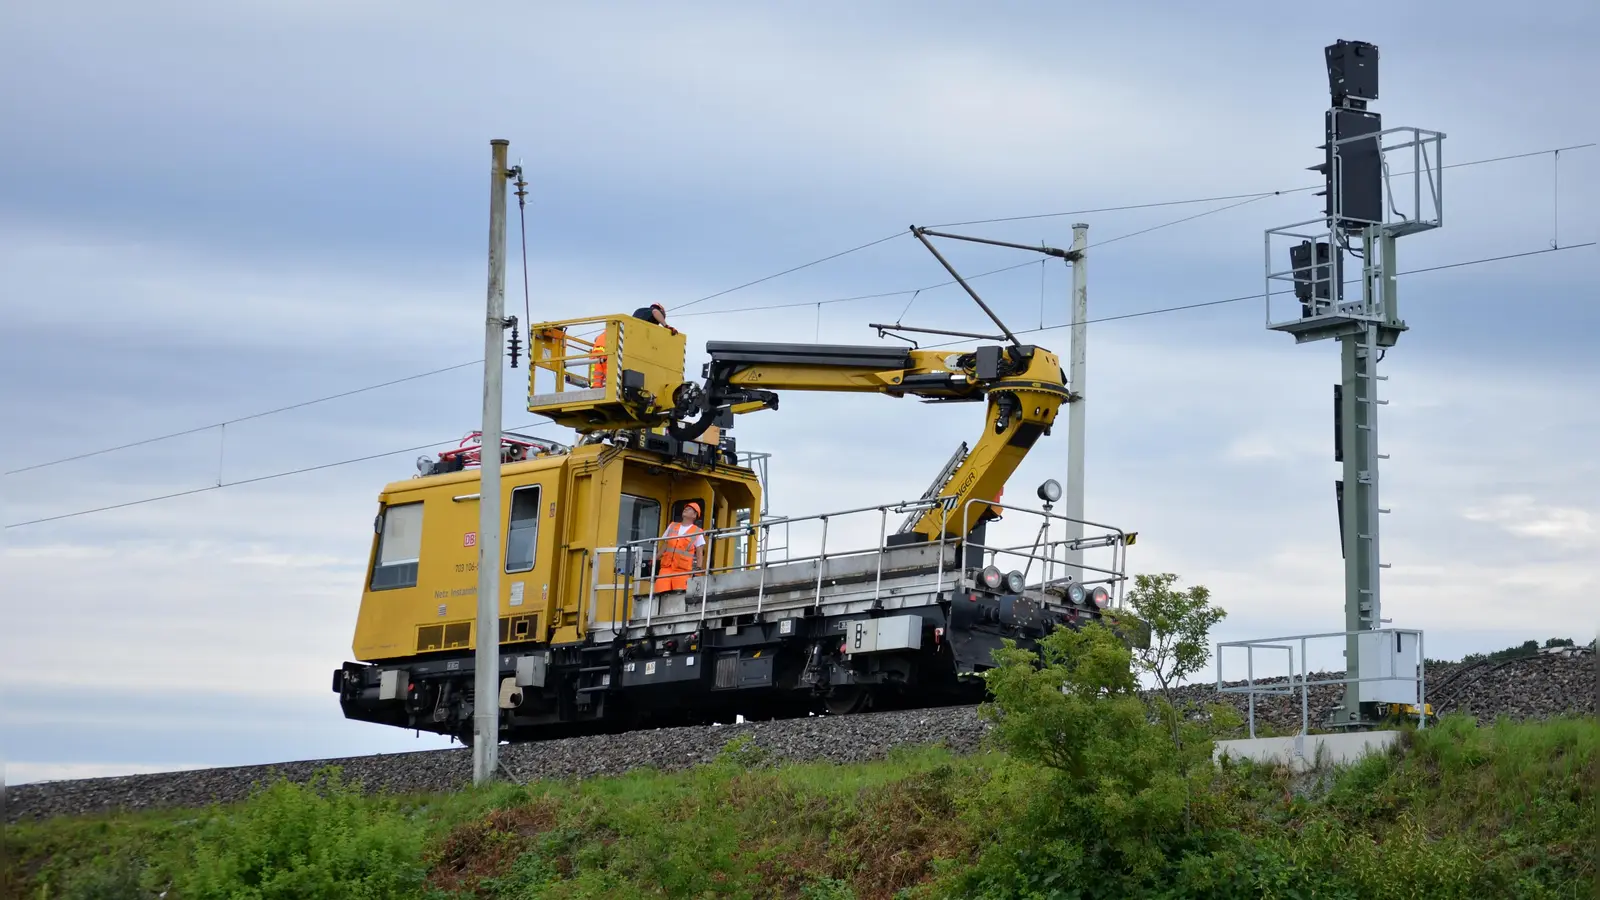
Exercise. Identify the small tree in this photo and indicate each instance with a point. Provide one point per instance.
(1074, 708)
(1180, 634)
(1124, 795)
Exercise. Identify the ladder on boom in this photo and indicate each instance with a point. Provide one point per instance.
(940, 482)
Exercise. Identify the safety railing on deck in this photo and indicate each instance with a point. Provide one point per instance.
(1054, 554)
(1388, 666)
(629, 560)
(631, 563)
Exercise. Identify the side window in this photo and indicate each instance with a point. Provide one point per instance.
(399, 547)
(522, 532)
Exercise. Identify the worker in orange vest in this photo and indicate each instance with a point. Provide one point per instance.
(682, 551)
(655, 314)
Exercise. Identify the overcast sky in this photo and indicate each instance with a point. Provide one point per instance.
(213, 210)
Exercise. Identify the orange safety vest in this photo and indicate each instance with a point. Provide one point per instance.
(597, 372)
(677, 552)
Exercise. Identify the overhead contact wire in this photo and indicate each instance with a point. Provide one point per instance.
(242, 481)
(1259, 296)
(226, 422)
(1148, 312)
(1246, 198)
(808, 265)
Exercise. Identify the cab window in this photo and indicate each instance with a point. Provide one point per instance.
(522, 532)
(399, 547)
(639, 519)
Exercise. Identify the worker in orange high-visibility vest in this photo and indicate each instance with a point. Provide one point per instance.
(597, 369)
(682, 551)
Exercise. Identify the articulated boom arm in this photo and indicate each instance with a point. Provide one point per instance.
(1024, 387)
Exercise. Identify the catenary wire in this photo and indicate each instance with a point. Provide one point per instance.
(795, 269)
(1010, 268)
(901, 293)
(1148, 312)
(303, 403)
(1255, 195)
(927, 287)
(1257, 296)
(243, 481)
(1245, 198)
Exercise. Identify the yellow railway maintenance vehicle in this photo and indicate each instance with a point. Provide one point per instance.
(764, 628)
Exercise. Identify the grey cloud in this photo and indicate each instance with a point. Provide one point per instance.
(920, 119)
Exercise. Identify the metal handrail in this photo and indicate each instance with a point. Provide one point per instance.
(745, 531)
(1116, 575)
(1050, 552)
(1304, 684)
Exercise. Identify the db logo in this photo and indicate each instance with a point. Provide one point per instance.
(471, 539)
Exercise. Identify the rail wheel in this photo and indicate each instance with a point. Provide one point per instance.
(848, 700)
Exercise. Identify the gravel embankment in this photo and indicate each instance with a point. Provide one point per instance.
(837, 739)
(1525, 688)
(1534, 687)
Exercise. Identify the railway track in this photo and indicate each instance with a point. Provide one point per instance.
(1524, 688)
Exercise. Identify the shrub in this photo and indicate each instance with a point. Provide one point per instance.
(304, 842)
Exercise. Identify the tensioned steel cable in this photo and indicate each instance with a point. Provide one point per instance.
(1260, 295)
(1148, 312)
(1125, 207)
(242, 481)
(303, 403)
(941, 284)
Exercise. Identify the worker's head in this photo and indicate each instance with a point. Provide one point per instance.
(691, 512)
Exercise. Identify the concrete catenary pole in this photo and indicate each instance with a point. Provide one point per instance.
(486, 672)
(1075, 381)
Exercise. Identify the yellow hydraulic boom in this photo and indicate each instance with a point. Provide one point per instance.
(1023, 385)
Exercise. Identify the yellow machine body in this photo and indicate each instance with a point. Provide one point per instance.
(421, 591)
(591, 640)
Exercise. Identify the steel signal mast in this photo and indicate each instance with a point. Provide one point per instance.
(1368, 208)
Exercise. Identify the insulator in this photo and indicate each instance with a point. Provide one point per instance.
(516, 342)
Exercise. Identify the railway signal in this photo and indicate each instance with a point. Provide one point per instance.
(1379, 185)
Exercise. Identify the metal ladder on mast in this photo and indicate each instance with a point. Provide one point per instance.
(1367, 403)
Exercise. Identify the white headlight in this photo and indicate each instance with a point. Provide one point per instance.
(1015, 582)
(1075, 593)
(1050, 491)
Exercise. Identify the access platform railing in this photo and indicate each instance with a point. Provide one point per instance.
(1304, 682)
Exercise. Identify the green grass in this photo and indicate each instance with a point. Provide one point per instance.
(1457, 810)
